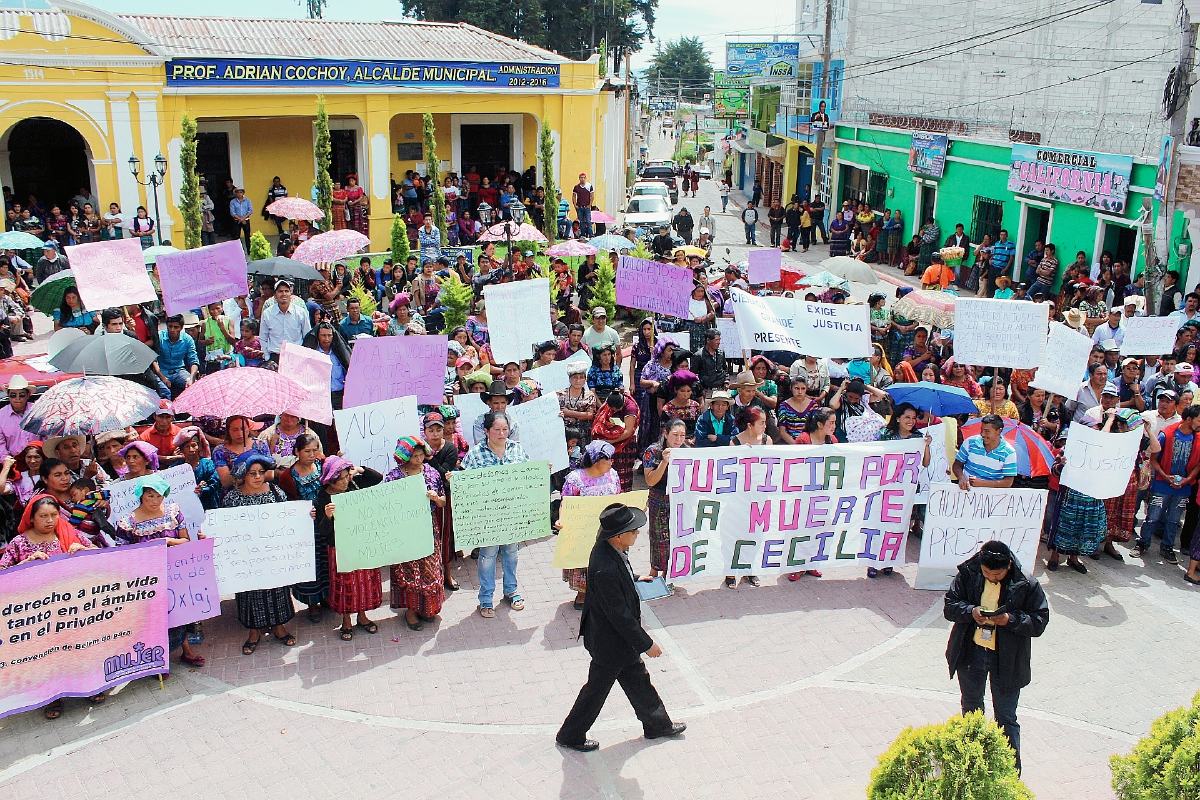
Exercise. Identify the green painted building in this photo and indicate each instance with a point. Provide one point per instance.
(1075, 213)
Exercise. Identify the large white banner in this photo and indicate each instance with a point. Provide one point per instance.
(958, 523)
(518, 318)
(368, 434)
(1148, 336)
(999, 333)
(1063, 365)
(786, 509)
(262, 547)
(543, 434)
(181, 479)
(1099, 464)
(822, 330)
(553, 376)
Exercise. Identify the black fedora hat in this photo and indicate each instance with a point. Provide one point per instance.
(498, 389)
(619, 518)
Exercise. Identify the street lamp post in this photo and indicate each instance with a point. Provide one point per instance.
(517, 211)
(153, 179)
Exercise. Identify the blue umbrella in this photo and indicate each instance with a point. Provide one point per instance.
(610, 241)
(19, 240)
(933, 397)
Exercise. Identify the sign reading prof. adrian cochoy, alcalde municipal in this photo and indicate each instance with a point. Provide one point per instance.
(243, 72)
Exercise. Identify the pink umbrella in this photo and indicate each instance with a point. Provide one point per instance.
(330, 246)
(496, 233)
(247, 391)
(571, 247)
(295, 208)
(600, 216)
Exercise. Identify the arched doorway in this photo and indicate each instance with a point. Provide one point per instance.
(50, 160)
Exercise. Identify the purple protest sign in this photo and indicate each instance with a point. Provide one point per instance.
(194, 278)
(765, 265)
(111, 274)
(191, 583)
(650, 286)
(396, 366)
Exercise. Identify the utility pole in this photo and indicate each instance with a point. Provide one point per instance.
(818, 177)
(1180, 92)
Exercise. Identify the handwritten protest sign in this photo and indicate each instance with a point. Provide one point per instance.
(1063, 364)
(385, 524)
(543, 433)
(384, 367)
(501, 505)
(731, 340)
(194, 278)
(1148, 336)
(1000, 333)
(553, 376)
(368, 434)
(958, 523)
(191, 583)
(823, 330)
(765, 265)
(580, 518)
(1097, 463)
(650, 286)
(834, 506)
(518, 318)
(182, 480)
(312, 370)
(262, 547)
(943, 446)
(111, 273)
(77, 625)
(470, 408)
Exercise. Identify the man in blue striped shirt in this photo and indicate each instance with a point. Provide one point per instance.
(986, 460)
(1003, 253)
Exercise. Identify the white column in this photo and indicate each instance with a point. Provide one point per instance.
(380, 184)
(151, 147)
(122, 150)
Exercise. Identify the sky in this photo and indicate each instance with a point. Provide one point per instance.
(711, 20)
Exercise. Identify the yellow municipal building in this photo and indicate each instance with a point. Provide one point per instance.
(84, 90)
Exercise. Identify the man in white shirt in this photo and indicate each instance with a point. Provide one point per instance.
(1190, 310)
(706, 221)
(236, 309)
(1164, 414)
(286, 321)
(1111, 329)
(599, 333)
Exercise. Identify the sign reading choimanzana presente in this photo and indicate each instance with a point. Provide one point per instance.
(243, 72)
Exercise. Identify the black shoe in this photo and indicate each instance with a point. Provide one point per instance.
(1168, 554)
(676, 729)
(586, 746)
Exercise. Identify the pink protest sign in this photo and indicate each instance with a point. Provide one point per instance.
(191, 583)
(396, 366)
(312, 370)
(194, 278)
(765, 265)
(77, 625)
(650, 286)
(110, 274)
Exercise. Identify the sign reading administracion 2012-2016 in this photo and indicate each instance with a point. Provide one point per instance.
(242, 72)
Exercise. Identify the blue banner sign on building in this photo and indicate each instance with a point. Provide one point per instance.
(762, 59)
(927, 154)
(245, 72)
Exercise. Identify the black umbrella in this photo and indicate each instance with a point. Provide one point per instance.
(105, 354)
(281, 267)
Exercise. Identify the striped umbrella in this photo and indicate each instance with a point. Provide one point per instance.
(295, 208)
(48, 296)
(1034, 456)
(331, 246)
(89, 405)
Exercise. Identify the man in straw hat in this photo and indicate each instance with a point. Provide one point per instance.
(612, 632)
(13, 437)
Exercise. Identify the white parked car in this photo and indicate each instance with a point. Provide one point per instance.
(648, 211)
(651, 188)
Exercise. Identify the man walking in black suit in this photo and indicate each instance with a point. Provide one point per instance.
(612, 632)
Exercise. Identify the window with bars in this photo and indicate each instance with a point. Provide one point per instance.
(877, 190)
(988, 218)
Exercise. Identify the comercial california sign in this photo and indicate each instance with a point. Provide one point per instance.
(1096, 180)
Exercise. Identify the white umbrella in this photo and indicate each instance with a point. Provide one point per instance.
(851, 269)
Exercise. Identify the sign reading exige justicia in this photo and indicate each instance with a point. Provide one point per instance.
(242, 72)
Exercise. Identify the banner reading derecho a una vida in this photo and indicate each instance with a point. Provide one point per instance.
(822, 330)
(77, 625)
(243, 72)
(1096, 180)
(779, 511)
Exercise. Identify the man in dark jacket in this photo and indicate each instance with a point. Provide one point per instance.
(996, 611)
(684, 224)
(612, 632)
(710, 363)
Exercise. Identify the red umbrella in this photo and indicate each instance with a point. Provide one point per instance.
(247, 391)
(1034, 456)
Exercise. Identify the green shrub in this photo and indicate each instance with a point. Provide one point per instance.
(260, 248)
(605, 293)
(456, 297)
(964, 758)
(1165, 764)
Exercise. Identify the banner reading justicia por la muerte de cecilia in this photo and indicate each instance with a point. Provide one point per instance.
(770, 510)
